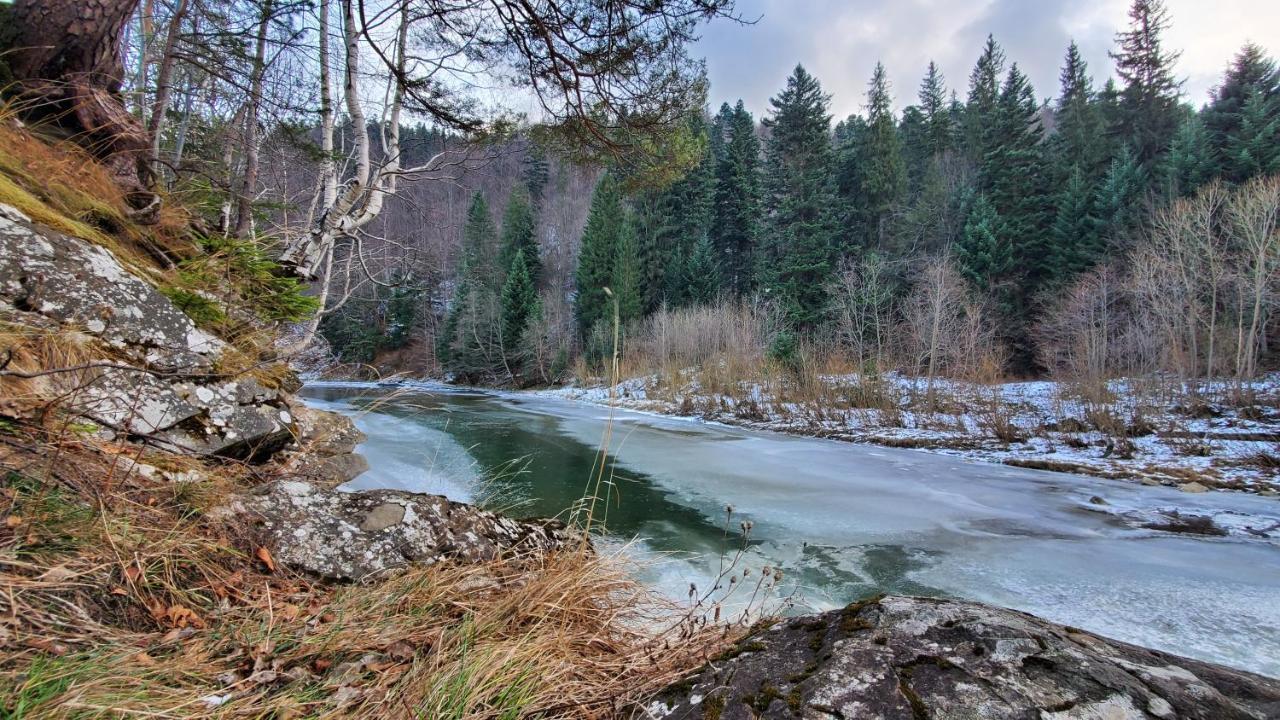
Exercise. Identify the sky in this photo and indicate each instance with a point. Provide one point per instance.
(839, 42)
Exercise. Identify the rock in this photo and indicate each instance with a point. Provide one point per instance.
(1193, 487)
(909, 658)
(326, 442)
(161, 382)
(350, 536)
(73, 281)
(1096, 500)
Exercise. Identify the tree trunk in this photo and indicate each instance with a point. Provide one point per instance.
(65, 59)
(248, 185)
(164, 83)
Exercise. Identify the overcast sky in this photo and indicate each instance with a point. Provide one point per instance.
(839, 41)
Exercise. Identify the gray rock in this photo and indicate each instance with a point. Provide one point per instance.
(165, 390)
(350, 536)
(326, 444)
(912, 658)
(73, 281)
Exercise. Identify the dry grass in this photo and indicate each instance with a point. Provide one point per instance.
(120, 597)
(59, 185)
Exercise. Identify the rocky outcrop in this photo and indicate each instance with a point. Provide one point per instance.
(326, 454)
(160, 382)
(915, 658)
(351, 536)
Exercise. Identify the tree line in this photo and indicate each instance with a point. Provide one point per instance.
(1018, 199)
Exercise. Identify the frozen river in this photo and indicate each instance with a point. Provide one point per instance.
(844, 520)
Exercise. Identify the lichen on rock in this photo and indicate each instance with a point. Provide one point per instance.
(914, 658)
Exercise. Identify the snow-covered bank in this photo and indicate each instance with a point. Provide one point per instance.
(1135, 434)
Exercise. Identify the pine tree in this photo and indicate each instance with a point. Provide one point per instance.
(702, 274)
(1250, 75)
(519, 305)
(1149, 100)
(883, 174)
(519, 233)
(1075, 229)
(734, 228)
(799, 201)
(981, 256)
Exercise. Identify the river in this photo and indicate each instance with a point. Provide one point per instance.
(843, 521)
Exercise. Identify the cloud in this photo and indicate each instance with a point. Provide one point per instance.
(840, 42)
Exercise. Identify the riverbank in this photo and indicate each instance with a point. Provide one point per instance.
(1125, 431)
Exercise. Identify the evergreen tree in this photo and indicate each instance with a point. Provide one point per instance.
(981, 256)
(734, 228)
(519, 234)
(1075, 229)
(1254, 147)
(1118, 204)
(1078, 141)
(799, 201)
(519, 306)
(982, 107)
(936, 111)
(470, 342)
(702, 274)
(534, 173)
(1189, 163)
(883, 174)
(1149, 101)
(598, 255)
(1251, 75)
(1014, 179)
(626, 274)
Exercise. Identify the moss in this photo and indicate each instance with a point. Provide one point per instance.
(762, 699)
(745, 646)
(851, 620)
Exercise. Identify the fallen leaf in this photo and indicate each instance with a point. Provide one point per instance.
(13, 521)
(132, 573)
(322, 664)
(265, 556)
(400, 650)
(290, 611)
(117, 590)
(144, 659)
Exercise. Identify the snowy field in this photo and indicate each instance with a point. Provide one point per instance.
(1133, 432)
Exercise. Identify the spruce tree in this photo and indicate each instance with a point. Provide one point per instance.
(470, 341)
(982, 106)
(1079, 140)
(702, 274)
(1251, 75)
(883, 174)
(1189, 163)
(626, 280)
(1148, 115)
(982, 257)
(598, 254)
(735, 225)
(936, 111)
(1118, 202)
(800, 199)
(519, 234)
(1075, 229)
(519, 304)
(1254, 147)
(1014, 178)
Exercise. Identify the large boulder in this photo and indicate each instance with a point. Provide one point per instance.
(155, 374)
(915, 658)
(352, 536)
(325, 454)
